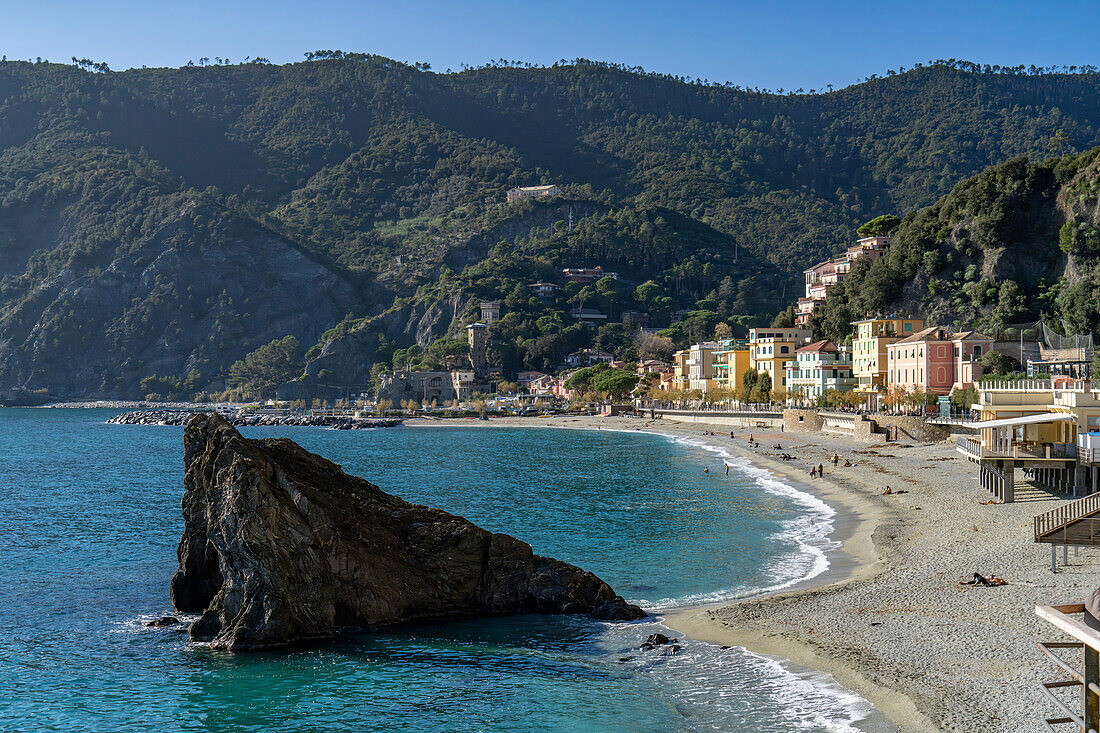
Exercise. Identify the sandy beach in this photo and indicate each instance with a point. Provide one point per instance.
(889, 619)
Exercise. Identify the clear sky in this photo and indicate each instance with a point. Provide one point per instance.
(768, 44)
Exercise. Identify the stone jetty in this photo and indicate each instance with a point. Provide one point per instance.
(250, 419)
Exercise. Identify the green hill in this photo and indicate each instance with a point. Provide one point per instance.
(169, 221)
(1012, 244)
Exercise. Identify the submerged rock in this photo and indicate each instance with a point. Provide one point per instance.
(162, 622)
(280, 545)
(659, 639)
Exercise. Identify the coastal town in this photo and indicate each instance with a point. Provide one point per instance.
(571, 367)
(889, 362)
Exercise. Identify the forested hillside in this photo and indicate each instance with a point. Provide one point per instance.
(166, 222)
(1009, 245)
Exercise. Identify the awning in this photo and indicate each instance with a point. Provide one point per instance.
(1025, 420)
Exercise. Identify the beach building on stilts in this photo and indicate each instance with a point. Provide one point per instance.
(1046, 428)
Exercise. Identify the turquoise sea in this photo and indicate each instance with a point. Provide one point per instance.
(88, 538)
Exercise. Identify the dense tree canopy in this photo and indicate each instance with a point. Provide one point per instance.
(390, 179)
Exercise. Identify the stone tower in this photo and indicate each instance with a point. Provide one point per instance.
(490, 311)
(478, 334)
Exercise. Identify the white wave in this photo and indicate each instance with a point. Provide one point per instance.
(718, 687)
(808, 533)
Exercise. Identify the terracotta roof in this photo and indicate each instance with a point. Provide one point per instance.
(925, 335)
(941, 333)
(823, 345)
(964, 335)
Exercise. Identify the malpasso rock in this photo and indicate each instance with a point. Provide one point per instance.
(280, 545)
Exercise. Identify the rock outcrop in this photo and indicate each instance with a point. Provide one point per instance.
(280, 545)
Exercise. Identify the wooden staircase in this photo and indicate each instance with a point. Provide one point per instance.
(1075, 523)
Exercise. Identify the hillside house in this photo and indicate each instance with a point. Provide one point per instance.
(519, 193)
(587, 275)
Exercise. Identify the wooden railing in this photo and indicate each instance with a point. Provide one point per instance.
(1084, 683)
(1059, 517)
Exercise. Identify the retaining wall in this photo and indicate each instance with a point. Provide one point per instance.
(802, 421)
(907, 427)
(731, 419)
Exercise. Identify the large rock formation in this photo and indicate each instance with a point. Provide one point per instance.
(281, 545)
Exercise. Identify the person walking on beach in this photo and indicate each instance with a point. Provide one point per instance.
(813, 472)
(820, 470)
(836, 459)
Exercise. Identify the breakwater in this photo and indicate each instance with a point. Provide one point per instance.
(252, 419)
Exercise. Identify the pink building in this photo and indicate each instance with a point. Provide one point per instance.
(935, 360)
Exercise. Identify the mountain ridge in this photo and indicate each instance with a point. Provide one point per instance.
(389, 180)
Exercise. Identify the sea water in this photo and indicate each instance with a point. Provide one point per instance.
(88, 535)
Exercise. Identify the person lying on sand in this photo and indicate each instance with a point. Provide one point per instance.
(847, 463)
(987, 581)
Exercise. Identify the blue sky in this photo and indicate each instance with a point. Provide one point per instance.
(768, 44)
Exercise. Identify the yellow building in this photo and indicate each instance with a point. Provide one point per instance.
(700, 364)
(731, 361)
(680, 370)
(869, 343)
(771, 349)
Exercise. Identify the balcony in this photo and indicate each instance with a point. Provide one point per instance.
(1015, 450)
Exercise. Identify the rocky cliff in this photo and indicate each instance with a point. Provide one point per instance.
(280, 545)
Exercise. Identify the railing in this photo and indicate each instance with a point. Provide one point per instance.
(1059, 517)
(1086, 682)
(970, 446)
(1008, 449)
(726, 412)
(1016, 385)
(698, 406)
(959, 419)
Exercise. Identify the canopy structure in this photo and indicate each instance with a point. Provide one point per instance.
(1025, 420)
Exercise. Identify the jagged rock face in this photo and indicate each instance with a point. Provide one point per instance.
(180, 299)
(280, 545)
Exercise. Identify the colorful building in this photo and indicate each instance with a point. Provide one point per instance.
(679, 371)
(869, 343)
(935, 360)
(818, 368)
(700, 365)
(770, 349)
(731, 361)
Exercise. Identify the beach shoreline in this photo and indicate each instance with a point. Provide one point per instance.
(854, 557)
(889, 620)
